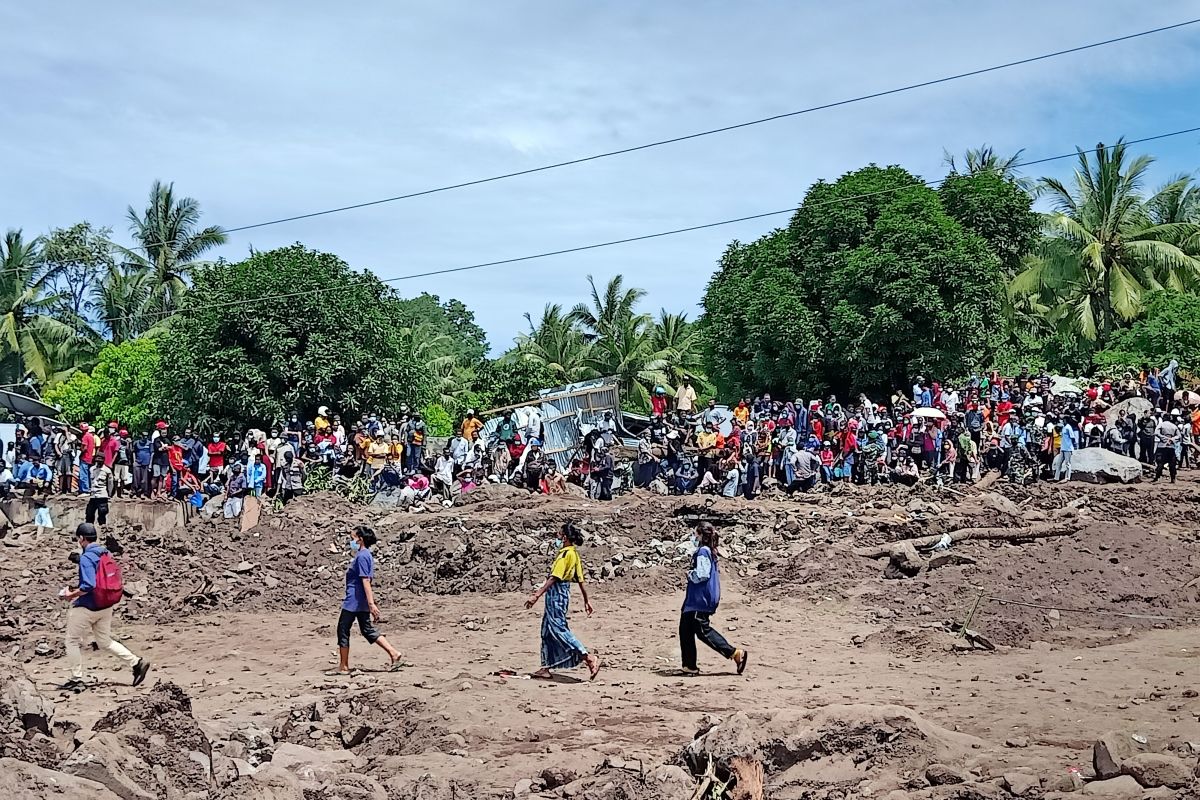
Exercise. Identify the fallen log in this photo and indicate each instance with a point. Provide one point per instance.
(991, 534)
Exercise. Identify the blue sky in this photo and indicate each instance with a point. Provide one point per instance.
(267, 109)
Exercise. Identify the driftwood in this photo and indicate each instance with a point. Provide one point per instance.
(748, 778)
(1041, 531)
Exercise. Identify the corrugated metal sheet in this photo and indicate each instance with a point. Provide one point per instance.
(568, 413)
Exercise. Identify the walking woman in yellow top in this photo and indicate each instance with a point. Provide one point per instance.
(560, 648)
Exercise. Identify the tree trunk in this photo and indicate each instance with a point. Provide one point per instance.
(1041, 531)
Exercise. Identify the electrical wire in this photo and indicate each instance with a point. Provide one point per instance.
(723, 129)
(647, 236)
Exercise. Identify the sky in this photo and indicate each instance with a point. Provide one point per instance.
(269, 109)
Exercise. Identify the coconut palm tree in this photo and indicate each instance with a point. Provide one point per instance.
(33, 342)
(985, 159)
(628, 351)
(615, 306)
(169, 243)
(121, 303)
(556, 343)
(1104, 251)
(680, 341)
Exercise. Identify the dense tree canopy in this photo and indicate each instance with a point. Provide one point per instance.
(125, 385)
(287, 330)
(871, 282)
(1170, 329)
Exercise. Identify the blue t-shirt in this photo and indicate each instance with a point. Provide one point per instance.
(362, 566)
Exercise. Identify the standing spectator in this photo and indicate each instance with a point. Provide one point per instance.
(1166, 436)
(256, 474)
(471, 426)
(443, 476)
(291, 477)
(66, 452)
(216, 454)
(143, 452)
(415, 454)
(121, 461)
(685, 396)
(90, 617)
(506, 431)
(159, 462)
(101, 489)
(87, 455)
(235, 491)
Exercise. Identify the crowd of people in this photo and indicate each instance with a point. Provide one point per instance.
(1018, 426)
(1023, 426)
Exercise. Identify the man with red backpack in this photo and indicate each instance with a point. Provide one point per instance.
(90, 616)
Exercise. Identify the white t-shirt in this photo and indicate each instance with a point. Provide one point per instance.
(685, 398)
(444, 469)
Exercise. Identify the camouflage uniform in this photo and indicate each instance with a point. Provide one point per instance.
(871, 453)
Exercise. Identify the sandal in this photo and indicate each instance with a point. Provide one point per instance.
(741, 665)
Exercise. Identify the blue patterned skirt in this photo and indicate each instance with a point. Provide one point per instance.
(560, 648)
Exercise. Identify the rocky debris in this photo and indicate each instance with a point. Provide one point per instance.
(20, 779)
(1153, 770)
(311, 764)
(831, 744)
(903, 561)
(370, 722)
(26, 718)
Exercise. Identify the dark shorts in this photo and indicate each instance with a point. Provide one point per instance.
(159, 470)
(365, 625)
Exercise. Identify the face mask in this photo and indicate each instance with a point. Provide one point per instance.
(354, 546)
(216, 438)
(695, 542)
(558, 543)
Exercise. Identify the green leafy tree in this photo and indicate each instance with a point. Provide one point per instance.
(169, 243)
(125, 385)
(507, 381)
(76, 261)
(35, 341)
(612, 308)
(1170, 329)
(438, 421)
(996, 208)
(986, 161)
(871, 282)
(1105, 251)
(239, 353)
(451, 322)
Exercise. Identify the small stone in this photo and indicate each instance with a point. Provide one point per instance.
(1017, 741)
(942, 775)
(465, 686)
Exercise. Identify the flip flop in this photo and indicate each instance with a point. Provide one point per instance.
(336, 673)
(595, 672)
(741, 667)
(397, 665)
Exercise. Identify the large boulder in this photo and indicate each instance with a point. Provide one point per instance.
(1138, 406)
(1104, 466)
(22, 779)
(1153, 770)
(22, 708)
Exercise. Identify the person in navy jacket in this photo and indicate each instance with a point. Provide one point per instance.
(700, 603)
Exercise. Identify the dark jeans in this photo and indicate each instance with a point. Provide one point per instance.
(141, 481)
(346, 621)
(97, 509)
(803, 484)
(1166, 458)
(1146, 444)
(693, 625)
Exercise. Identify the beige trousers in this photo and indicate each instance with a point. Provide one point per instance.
(83, 625)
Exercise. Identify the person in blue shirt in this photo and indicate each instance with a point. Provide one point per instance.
(35, 474)
(256, 475)
(1069, 443)
(359, 605)
(700, 603)
(86, 622)
(143, 453)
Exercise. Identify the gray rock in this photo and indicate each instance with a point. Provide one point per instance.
(1123, 786)
(1098, 465)
(1020, 784)
(942, 775)
(1110, 750)
(1153, 770)
(105, 760)
(22, 779)
(310, 764)
(1134, 405)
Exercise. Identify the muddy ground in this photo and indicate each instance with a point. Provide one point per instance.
(858, 683)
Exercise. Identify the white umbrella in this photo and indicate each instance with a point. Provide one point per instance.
(929, 412)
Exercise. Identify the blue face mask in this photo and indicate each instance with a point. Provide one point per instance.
(354, 546)
(558, 543)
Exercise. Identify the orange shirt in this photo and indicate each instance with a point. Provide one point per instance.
(470, 428)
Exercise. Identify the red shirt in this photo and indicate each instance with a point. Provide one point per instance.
(89, 447)
(110, 447)
(658, 405)
(175, 457)
(216, 455)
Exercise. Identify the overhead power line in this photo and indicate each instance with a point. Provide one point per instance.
(648, 236)
(723, 129)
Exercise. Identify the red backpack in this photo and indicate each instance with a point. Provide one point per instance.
(108, 589)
